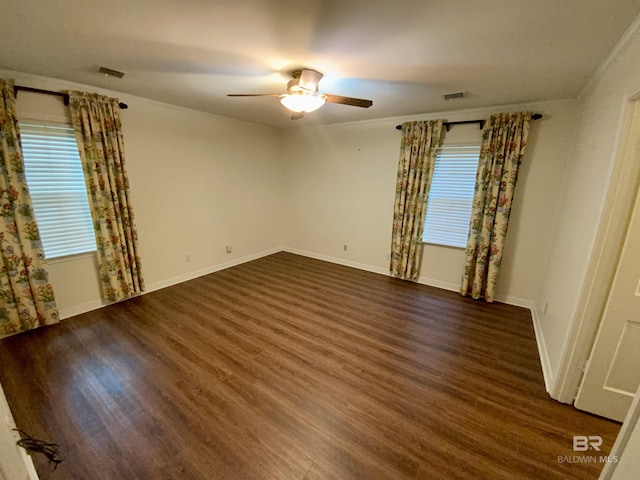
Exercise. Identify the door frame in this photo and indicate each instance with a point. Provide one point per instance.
(605, 254)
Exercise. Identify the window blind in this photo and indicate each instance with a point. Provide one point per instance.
(58, 193)
(451, 195)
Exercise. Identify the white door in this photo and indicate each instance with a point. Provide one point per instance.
(612, 375)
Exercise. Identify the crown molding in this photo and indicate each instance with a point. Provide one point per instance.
(623, 44)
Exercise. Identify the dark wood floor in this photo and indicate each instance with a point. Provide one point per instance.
(291, 368)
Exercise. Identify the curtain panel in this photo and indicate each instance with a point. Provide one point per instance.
(96, 121)
(504, 138)
(26, 296)
(420, 142)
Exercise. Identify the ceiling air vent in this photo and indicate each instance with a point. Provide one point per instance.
(110, 72)
(453, 96)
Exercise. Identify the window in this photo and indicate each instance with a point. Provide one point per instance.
(58, 193)
(451, 195)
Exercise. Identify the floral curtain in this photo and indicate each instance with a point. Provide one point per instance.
(26, 296)
(420, 142)
(504, 138)
(96, 122)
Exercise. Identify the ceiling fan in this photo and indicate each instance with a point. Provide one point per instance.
(302, 95)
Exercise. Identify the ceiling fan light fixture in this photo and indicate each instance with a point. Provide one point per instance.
(301, 96)
(303, 103)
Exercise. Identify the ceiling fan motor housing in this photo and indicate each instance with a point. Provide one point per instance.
(301, 94)
(294, 87)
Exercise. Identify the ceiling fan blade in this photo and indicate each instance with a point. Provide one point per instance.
(297, 115)
(355, 102)
(309, 79)
(254, 94)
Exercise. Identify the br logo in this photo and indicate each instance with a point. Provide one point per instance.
(582, 443)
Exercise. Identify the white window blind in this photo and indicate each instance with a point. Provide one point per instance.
(451, 195)
(56, 183)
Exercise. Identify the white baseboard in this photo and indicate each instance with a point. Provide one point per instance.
(96, 304)
(206, 271)
(339, 261)
(454, 287)
(547, 372)
(78, 309)
(434, 282)
(515, 301)
(370, 268)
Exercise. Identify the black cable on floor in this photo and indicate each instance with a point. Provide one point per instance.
(49, 450)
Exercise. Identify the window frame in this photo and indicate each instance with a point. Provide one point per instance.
(451, 145)
(55, 122)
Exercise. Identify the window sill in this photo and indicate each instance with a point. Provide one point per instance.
(443, 245)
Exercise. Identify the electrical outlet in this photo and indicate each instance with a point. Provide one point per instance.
(229, 249)
(187, 258)
(345, 247)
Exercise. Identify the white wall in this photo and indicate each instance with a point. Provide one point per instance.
(603, 107)
(15, 464)
(629, 465)
(340, 185)
(198, 182)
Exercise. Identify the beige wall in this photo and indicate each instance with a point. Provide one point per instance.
(198, 183)
(340, 183)
(338, 188)
(603, 107)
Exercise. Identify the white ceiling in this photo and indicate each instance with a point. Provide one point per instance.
(404, 55)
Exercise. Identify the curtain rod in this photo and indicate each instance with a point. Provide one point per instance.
(535, 116)
(65, 96)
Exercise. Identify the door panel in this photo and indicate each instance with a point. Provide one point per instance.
(620, 378)
(612, 375)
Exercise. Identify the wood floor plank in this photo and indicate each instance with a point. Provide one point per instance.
(289, 368)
